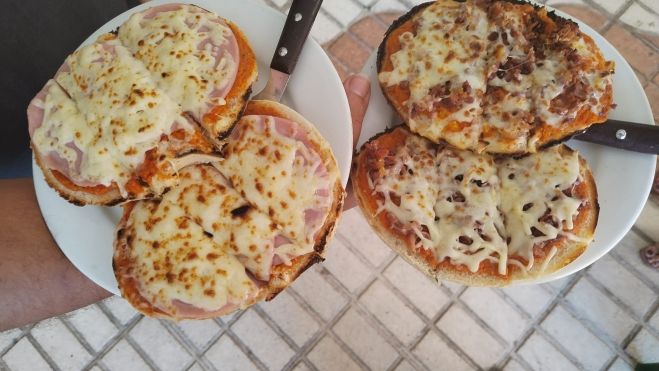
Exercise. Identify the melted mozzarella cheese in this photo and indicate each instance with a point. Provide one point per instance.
(443, 52)
(531, 187)
(455, 44)
(188, 51)
(468, 208)
(175, 260)
(286, 179)
(111, 111)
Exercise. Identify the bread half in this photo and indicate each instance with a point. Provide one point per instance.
(494, 76)
(240, 251)
(456, 216)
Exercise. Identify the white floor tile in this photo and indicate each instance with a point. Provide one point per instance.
(652, 5)
(554, 3)
(620, 365)
(595, 306)
(392, 312)
(23, 357)
(159, 345)
(389, 6)
(345, 11)
(557, 285)
(654, 321)
(324, 29)
(94, 326)
(291, 317)
(356, 229)
(225, 355)
(345, 266)
(623, 284)
(644, 348)
(629, 250)
(573, 336)
(123, 357)
(199, 333)
(470, 337)
(532, 298)
(498, 314)
(647, 221)
(195, 367)
(437, 355)
(424, 293)
(279, 3)
(542, 356)
(355, 331)
(453, 286)
(636, 16)
(513, 365)
(611, 6)
(404, 366)
(7, 338)
(301, 367)
(120, 309)
(319, 294)
(327, 355)
(60, 344)
(262, 340)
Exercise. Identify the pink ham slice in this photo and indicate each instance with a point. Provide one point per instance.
(229, 47)
(314, 217)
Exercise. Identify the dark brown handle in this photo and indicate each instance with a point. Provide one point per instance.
(624, 135)
(296, 29)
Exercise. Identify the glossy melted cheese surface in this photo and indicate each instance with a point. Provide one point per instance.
(477, 82)
(186, 50)
(469, 208)
(103, 113)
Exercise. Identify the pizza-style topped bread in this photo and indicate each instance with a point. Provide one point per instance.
(502, 77)
(111, 124)
(474, 218)
(237, 231)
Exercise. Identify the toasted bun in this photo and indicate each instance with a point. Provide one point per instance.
(553, 32)
(219, 121)
(281, 275)
(486, 275)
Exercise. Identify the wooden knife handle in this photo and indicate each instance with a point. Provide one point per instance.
(624, 135)
(300, 18)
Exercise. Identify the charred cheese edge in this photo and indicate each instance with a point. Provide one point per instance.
(471, 208)
(477, 82)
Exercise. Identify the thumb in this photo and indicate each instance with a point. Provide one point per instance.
(358, 90)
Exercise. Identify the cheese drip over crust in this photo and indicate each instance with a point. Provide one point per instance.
(470, 209)
(482, 75)
(287, 178)
(104, 115)
(191, 53)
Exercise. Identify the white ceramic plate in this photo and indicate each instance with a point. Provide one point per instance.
(623, 178)
(85, 234)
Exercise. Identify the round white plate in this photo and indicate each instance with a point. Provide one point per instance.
(85, 234)
(623, 178)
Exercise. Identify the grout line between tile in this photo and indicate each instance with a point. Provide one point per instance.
(281, 333)
(429, 323)
(180, 337)
(42, 352)
(77, 335)
(24, 331)
(535, 322)
(248, 352)
(612, 19)
(630, 268)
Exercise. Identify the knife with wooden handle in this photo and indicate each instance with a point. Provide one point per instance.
(298, 24)
(625, 135)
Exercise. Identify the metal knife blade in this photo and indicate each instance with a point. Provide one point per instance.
(298, 24)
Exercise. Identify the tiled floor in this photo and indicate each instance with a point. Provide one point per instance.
(366, 308)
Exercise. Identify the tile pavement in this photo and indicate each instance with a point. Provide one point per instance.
(365, 308)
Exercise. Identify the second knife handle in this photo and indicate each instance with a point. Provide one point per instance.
(624, 135)
(298, 24)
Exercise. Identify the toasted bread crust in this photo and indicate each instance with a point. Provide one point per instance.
(220, 120)
(487, 275)
(398, 95)
(281, 275)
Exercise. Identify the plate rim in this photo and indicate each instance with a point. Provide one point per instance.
(370, 70)
(331, 79)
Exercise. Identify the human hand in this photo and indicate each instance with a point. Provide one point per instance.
(358, 90)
